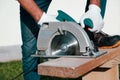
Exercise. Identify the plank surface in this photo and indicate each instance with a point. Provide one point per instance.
(75, 67)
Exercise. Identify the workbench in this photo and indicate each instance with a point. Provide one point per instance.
(104, 67)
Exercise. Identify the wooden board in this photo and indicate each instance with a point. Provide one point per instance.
(75, 67)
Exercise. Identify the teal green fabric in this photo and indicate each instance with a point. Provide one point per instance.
(103, 7)
(43, 4)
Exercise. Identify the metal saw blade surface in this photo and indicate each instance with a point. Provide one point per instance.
(65, 44)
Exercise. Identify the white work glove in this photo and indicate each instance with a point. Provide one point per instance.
(94, 15)
(47, 18)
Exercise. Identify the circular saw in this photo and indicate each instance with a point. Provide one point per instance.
(64, 39)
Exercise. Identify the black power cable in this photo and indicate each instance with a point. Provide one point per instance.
(24, 72)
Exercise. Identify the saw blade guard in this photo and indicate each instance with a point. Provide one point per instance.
(63, 38)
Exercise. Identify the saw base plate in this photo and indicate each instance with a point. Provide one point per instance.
(97, 54)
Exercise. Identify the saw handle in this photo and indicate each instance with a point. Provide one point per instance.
(88, 22)
(62, 16)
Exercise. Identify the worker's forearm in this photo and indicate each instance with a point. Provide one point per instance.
(31, 7)
(96, 2)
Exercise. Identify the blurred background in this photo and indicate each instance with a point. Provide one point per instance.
(10, 35)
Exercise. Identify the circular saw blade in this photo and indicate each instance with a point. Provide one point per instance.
(65, 44)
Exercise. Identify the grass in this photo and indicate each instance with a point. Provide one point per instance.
(9, 70)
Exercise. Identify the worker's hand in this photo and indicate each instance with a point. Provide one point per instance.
(47, 18)
(94, 15)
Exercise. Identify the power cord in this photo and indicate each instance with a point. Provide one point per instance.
(24, 72)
